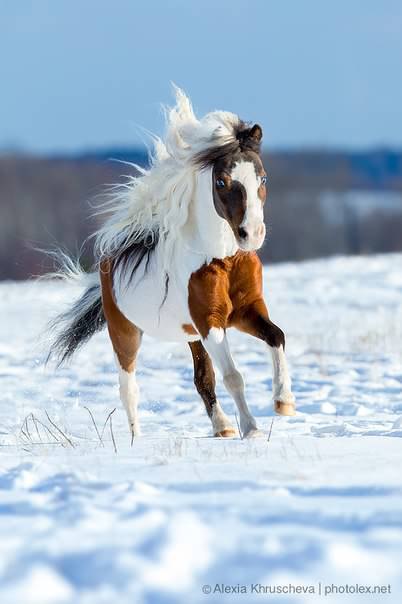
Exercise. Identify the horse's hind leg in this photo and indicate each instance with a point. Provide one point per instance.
(204, 380)
(126, 340)
(126, 363)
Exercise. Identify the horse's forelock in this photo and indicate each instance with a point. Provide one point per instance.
(244, 138)
(211, 155)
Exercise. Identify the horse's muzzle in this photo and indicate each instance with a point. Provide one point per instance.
(251, 238)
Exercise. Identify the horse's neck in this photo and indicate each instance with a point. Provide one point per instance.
(207, 235)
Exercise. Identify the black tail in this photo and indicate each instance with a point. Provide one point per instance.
(77, 325)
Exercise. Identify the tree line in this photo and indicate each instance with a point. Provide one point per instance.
(319, 203)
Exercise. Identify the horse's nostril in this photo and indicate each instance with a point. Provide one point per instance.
(242, 233)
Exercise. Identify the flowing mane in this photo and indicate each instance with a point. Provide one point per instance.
(153, 207)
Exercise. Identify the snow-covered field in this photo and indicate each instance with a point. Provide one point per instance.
(317, 504)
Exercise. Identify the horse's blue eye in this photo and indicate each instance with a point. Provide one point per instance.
(220, 183)
(263, 180)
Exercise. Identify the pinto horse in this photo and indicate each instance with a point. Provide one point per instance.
(176, 259)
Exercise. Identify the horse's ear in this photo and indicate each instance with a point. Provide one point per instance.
(250, 138)
(256, 133)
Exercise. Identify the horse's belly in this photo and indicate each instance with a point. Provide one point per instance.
(143, 303)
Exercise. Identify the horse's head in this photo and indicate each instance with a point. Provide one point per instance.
(239, 188)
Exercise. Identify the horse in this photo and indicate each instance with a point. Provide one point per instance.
(176, 259)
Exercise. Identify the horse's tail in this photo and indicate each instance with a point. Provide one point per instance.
(82, 320)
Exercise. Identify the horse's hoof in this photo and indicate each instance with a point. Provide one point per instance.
(285, 408)
(254, 433)
(226, 433)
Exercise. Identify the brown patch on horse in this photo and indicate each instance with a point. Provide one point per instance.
(208, 299)
(228, 293)
(125, 336)
(230, 201)
(189, 329)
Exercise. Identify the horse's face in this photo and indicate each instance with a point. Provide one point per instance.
(239, 192)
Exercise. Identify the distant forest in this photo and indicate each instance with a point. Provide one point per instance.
(319, 204)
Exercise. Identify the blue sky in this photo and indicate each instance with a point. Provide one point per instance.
(77, 74)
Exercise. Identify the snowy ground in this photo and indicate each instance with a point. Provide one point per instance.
(318, 504)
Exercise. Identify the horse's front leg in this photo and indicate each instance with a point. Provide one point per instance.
(218, 348)
(255, 321)
(210, 307)
(204, 380)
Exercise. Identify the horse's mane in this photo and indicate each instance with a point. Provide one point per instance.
(154, 206)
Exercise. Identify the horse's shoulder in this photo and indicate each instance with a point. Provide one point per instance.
(246, 268)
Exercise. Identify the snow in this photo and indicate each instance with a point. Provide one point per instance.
(319, 502)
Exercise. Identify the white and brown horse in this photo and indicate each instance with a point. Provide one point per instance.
(177, 260)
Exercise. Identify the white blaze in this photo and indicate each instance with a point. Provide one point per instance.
(253, 221)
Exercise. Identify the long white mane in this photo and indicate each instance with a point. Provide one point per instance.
(156, 203)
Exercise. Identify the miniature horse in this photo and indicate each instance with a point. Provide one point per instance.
(177, 260)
